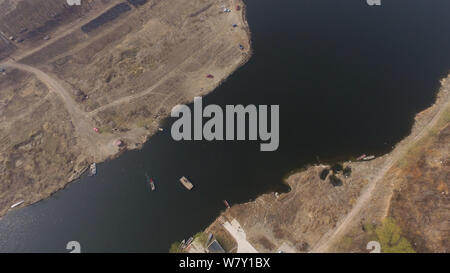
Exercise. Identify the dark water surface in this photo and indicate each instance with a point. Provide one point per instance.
(348, 78)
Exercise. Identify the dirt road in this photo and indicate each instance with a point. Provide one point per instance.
(81, 121)
(235, 229)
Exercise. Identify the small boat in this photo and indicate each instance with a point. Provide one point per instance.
(151, 182)
(367, 158)
(189, 241)
(92, 169)
(361, 157)
(226, 204)
(17, 204)
(186, 183)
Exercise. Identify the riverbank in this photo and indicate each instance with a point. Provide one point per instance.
(317, 216)
(114, 88)
(344, 89)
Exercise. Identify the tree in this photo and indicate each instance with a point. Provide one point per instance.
(389, 235)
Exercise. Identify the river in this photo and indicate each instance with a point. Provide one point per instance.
(349, 79)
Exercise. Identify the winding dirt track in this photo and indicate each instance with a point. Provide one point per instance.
(331, 237)
(79, 117)
(81, 121)
(83, 124)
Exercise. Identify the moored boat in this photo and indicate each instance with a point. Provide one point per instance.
(189, 241)
(367, 158)
(152, 184)
(17, 204)
(361, 157)
(92, 169)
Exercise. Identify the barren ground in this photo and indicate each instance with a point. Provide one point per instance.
(69, 72)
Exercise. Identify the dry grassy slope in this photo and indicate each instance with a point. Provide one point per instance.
(164, 48)
(414, 192)
(123, 77)
(301, 217)
(37, 140)
(421, 203)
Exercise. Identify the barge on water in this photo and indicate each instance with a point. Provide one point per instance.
(186, 183)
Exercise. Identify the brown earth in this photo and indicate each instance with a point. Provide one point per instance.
(33, 149)
(122, 77)
(409, 185)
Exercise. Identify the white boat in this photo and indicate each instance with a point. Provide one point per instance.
(189, 241)
(182, 244)
(93, 169)
(368, 158)
(17, 204)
